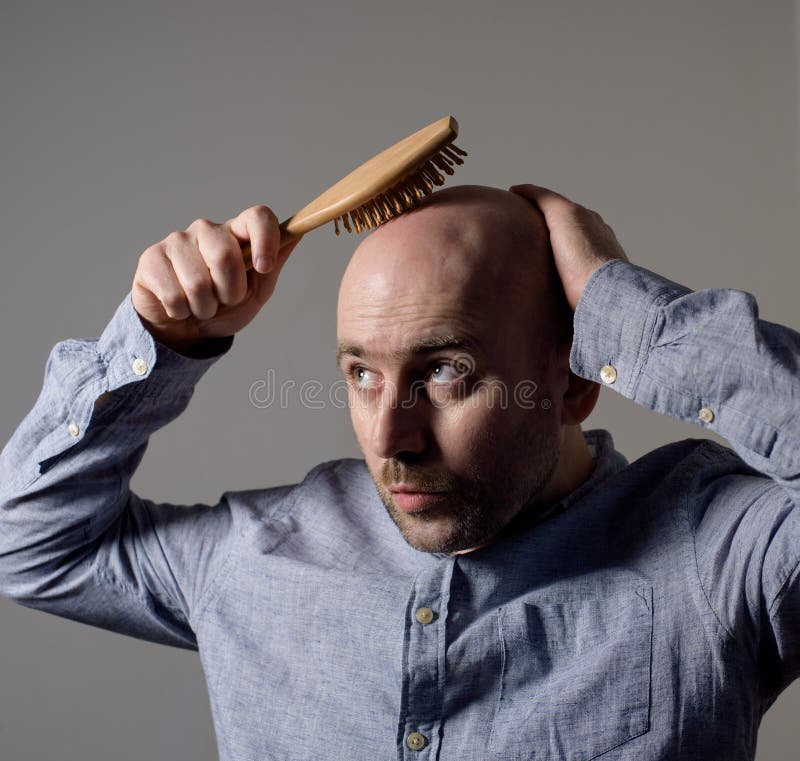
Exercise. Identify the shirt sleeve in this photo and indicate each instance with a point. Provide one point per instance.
(74, 540)
(706, 357)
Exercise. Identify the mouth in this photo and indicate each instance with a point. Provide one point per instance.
(411, 500)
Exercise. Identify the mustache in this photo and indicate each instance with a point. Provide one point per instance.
(393, 472)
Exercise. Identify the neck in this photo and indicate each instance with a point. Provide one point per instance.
(575, 466)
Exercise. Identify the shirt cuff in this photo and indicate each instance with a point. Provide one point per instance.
(131, 355)
(124, 359)
(614, 323)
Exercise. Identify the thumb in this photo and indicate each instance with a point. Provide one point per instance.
(262, 284)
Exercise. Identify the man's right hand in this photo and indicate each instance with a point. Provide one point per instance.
(193, 285)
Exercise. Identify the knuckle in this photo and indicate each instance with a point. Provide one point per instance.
(231, 299)
(261, 212)
(174, 302)
(205, 309)
(175, 239)
(150, 254)
(196, 284)
(201, 223)
(224, 256)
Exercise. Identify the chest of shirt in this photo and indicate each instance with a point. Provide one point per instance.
(305, 662)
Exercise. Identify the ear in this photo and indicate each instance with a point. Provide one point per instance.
(580, 395)
(579, 399)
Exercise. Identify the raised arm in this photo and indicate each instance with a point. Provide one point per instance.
(74, 540)
(705, 357)
(700, 356)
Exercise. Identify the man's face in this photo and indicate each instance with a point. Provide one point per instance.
(447, 371)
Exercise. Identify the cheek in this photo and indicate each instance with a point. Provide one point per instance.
(360, 421)
(466, 433)
(480, 432)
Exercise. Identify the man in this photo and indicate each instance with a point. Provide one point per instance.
(489, 583)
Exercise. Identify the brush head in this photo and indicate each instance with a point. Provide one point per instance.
(405, 194)
(387, 185)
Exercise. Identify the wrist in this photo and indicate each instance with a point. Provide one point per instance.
(204, 348)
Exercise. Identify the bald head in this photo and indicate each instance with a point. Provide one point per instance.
(480, 249)
(472, 214)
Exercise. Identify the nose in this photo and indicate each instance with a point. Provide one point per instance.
(398, 428)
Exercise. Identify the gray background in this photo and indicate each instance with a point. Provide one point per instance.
(122, 122)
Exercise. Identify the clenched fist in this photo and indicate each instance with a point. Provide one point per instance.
(194, 285)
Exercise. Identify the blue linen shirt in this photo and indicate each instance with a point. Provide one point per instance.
(654, 613)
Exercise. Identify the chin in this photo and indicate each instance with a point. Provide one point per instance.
(437, 533)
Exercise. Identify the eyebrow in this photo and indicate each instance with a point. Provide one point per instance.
(423, 346)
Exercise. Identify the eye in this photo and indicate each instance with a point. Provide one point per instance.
(448, 371)
(363, 378)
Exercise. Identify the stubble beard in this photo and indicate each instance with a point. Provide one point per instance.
(476, 507)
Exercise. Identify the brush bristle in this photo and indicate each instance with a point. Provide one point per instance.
(405, 195)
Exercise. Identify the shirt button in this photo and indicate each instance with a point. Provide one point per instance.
(608, 374)
(706, 415)
(416, 741)
(424, 616)
(73, 429)
(139, 366)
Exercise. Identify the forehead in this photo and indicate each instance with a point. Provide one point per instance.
(393, 314)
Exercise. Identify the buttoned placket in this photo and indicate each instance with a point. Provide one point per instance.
(424, 664)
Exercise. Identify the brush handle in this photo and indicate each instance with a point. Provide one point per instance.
(410, 167)
(286, 237)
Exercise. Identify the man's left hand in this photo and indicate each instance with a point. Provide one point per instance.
(580, 239)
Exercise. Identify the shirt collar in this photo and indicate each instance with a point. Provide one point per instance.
(608, 462)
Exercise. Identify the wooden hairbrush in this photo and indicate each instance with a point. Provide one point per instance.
(387, 185)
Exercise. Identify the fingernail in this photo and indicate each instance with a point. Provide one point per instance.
(262, 264)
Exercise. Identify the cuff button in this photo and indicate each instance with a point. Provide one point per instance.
(706, 415)
(73, 429)
(608, 374)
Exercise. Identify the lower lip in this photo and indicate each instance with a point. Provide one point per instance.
(412, 501)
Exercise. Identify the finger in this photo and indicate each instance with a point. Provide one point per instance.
(259, 226)
(193, 274)
(547, 200)
(156, 277)
(223, 257)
